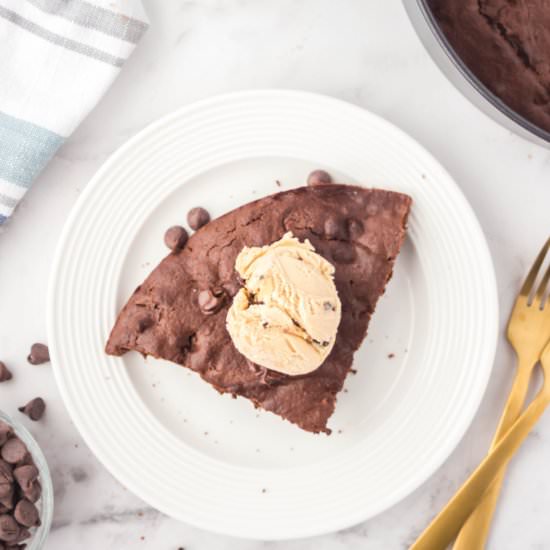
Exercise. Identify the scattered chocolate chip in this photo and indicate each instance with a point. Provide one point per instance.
(26, 513)
(265, 324)
(343, 253)
(329, 306)
(176, 237)
(197, 217)
(5, 373)
(319, 177)
(210, 303)
(391, 355)
(355, 228)
(14, 451)
(336, 229)
(34, 409)
(277, 183)
(39, 354)
(9, 530)
(25, 476)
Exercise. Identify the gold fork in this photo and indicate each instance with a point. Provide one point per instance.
(445, 526)
(528, 332)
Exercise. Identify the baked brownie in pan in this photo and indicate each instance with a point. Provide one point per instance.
(179, 312)
(506, 44)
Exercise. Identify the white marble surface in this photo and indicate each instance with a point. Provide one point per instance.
(362, 51)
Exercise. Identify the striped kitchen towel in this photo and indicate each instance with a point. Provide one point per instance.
(57, 58)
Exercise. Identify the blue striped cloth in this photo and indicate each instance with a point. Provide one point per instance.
(58, 57)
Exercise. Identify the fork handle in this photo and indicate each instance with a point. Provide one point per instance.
(475, 531)
(447, 523)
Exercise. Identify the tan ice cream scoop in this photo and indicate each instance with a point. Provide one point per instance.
(287, 315)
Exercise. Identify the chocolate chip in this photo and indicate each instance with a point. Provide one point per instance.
(355, 228)
(319, 177)
(6, 488)
(24, 534)
(9, 530)
(197, 217)
(329, 306)
(26, 476)
(232, 287)
(14, 450)
(5, 432)
(5, 373)
(39, 354)
(336, 229)
(209, 302)
(176, 237)
(7, 501)
(34, 493)
(6, 472)
(34, 409)
(343, 253)
(145, 323)
(26, 513)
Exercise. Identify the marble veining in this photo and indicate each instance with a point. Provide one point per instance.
(371, 57)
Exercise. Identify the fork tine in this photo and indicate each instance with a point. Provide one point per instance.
(541, 290)
(531, 277)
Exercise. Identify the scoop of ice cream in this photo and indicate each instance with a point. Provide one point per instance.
(286, 316)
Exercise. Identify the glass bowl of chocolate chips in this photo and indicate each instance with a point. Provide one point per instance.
(26, 491)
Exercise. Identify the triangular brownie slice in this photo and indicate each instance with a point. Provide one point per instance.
(358, 230)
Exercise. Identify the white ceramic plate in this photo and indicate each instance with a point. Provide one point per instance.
(216, 462)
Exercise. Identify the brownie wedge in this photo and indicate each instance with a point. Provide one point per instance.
(179, 312)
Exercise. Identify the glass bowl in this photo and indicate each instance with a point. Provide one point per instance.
(45, 503)
(463, 79)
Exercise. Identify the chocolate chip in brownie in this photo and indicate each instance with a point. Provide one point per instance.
(355, 228)
(343, 253)
(144, 323)
(34, 409)
(335, 228)
(319, 177)
(211, 301)
(5, 373)
(39, 354)
(197, 217)
(232, 287)
(176, 237)
(26, 513)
